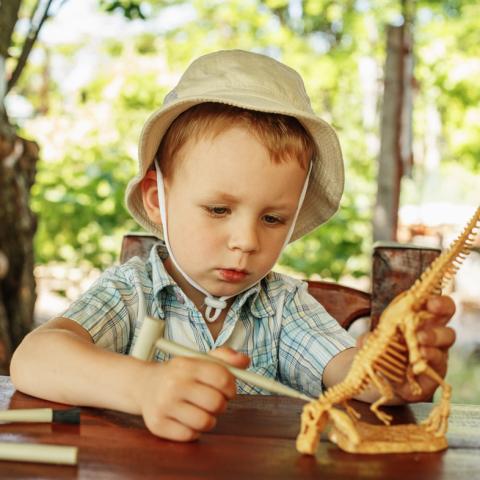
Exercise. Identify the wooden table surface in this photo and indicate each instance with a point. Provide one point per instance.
(255, 438)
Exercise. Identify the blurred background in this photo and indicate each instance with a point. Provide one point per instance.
(398, 80)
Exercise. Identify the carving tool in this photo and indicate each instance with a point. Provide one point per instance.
(41, 415)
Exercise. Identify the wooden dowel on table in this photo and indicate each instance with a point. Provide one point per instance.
(31, 452)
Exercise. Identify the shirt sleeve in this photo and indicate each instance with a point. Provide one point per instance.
(309, 338)
(105, 311)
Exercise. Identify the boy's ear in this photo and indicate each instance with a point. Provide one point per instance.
(150, 196)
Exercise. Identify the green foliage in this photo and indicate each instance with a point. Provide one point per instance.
(78, 195)
(79, 202)
(464, 376)
(340, 247)
(448, 74)
(114, 47)
(131, 9)
(145, 44)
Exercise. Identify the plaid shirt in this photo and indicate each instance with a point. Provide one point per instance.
(287, 334)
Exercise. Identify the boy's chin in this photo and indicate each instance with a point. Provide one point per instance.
(228, 290)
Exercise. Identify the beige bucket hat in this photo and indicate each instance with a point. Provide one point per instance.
(255, 82)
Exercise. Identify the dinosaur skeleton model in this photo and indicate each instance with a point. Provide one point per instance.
(390, 356)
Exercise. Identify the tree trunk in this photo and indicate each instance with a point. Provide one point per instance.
(18, 158)
(395, 157)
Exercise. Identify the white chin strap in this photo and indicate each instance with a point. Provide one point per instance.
(214, 305)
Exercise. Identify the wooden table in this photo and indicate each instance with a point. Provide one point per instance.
(254, 439)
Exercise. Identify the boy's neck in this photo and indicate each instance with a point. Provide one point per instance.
(216, 327)
(197, 297)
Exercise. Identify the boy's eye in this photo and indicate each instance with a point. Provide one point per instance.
(272, 220)
(217, 211)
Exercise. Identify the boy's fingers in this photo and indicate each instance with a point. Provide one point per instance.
(191, 371)
(173, 430)
(215, 376)
(207, 398)
(441, 306)
(440, 337)
(192, 417)
(434, 355)
(231, 356)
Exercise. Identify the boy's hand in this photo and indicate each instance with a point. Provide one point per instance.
(181, 398)
(435, 339)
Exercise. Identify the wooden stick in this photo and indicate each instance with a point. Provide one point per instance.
(31, 452)
(173, 348)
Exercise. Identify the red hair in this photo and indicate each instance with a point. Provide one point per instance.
(283, 136)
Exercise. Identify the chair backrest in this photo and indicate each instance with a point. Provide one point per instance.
(345, 304)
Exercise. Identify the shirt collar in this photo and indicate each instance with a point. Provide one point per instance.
(261, 303)
(160, 277)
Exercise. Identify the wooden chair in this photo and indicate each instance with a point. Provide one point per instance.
(395, 268)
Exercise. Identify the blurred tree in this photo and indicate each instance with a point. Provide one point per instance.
(18, 157)
(395, 157)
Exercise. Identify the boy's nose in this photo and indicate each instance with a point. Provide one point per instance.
(244, 239)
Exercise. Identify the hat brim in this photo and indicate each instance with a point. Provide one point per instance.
(326, 182)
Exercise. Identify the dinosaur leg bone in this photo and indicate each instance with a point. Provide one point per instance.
(313, 421)
(352, 413)
(437, 421)
(412, 382)
(386, 393)
(344, 426)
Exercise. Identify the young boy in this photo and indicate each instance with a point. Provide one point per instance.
(233, 166)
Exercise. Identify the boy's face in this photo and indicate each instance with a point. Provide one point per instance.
(229, 209)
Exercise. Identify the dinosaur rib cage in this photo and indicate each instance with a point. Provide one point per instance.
(392, 364)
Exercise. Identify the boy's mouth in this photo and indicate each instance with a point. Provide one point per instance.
(232, 275)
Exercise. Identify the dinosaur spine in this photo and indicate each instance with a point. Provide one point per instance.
(444, 268)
